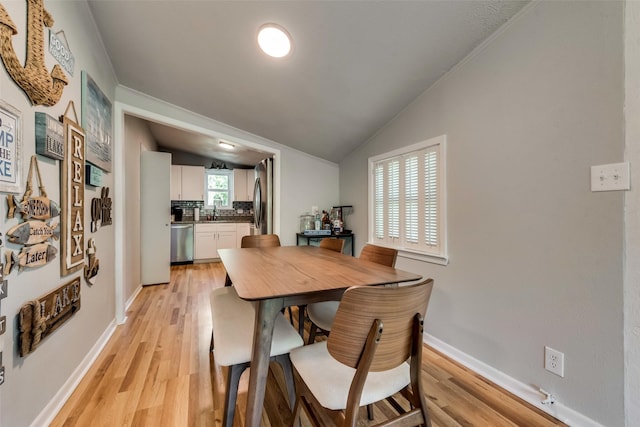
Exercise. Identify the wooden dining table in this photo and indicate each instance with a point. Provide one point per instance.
(279, 277)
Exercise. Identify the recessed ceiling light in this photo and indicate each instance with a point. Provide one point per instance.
(274, 40)
(226, 145)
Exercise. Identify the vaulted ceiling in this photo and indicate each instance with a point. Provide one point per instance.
(355, 64)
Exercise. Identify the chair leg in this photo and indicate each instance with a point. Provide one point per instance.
(312, 333)
(370, 411)
(290, 315)
(301, 309)
(287, 369)
(233, 379)
(295, 416)
(227, 280)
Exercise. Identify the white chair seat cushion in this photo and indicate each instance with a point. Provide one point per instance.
(329, 380)
(323, 313)
(233, 324)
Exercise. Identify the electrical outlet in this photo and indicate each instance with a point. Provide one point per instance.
(554, 361)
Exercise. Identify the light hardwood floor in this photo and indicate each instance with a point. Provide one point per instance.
(157, 371)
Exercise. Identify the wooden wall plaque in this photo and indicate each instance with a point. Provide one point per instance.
(39, 318)
(73, 179)
(49, 136)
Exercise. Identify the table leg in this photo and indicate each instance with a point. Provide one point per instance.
(263, 334)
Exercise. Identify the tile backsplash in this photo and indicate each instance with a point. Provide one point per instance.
(239, 209)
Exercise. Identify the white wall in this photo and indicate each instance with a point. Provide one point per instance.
(535, 257)
(306, 182)
(632, 215)
(34, 381)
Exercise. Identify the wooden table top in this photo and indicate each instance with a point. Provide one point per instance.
(262, 273)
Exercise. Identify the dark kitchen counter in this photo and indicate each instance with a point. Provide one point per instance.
(219, 220)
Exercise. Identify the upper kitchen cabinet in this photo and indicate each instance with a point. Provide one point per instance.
(243, 180)
(187, 182)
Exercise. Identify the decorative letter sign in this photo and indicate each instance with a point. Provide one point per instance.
(40, 317)
(73, 177)
(49, 136)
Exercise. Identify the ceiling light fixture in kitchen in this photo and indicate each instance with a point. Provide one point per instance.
(226, 145)
(274, 40)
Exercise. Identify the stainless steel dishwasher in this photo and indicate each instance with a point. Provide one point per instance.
(181, 243)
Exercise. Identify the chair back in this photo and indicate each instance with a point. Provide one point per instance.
(379, 255)
(260, 241)
(396, 308)
(332, 244)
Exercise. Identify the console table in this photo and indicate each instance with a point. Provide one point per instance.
(308, 238)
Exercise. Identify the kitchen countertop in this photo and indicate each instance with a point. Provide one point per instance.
(217, 221)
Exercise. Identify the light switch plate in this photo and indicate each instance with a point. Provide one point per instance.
(611, 177)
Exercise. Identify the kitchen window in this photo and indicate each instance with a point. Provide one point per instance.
(407, 200)
(219, 188)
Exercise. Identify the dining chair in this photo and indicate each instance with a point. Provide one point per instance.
(336, 245)
(233, 328)
(321, 314)
(332, 244)
(260, 241)
(249, 241)
(373, 352)
(256, 241)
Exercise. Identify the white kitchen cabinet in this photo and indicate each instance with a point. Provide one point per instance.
(187, 182)
(176, 182)
(242, 230)
(242, 182)
(251, 181)
(208, 238)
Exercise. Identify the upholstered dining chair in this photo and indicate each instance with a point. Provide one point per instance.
(249, 241)
(336, 245)
(256, 241)
(233, 329)
(321, 314)
(373, 352)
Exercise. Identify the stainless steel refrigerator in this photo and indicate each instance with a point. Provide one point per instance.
(263, 197)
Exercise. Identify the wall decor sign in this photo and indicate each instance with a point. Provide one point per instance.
(101, 210)
(33, 78)
(91, 269)
(4, 288)
(72, 189)
(59, 49)
(3, 324)
(33, 231)
(1, 370)
(49, 137)
(10, 148)
(30, 257)
(39, 207)
(96, 120)
(39, 318)
(94, 175)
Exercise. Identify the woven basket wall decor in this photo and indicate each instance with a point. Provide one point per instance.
(33, 78)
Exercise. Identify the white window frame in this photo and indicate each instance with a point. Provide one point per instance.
(225, 172)
(399, 238)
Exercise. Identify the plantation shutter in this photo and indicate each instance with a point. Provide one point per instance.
(407, 200)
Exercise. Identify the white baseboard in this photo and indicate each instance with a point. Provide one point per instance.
(53, 407)
(127, 304)
(525, 392)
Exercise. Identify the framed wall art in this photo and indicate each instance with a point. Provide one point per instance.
(10, 148)
(97, 123)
